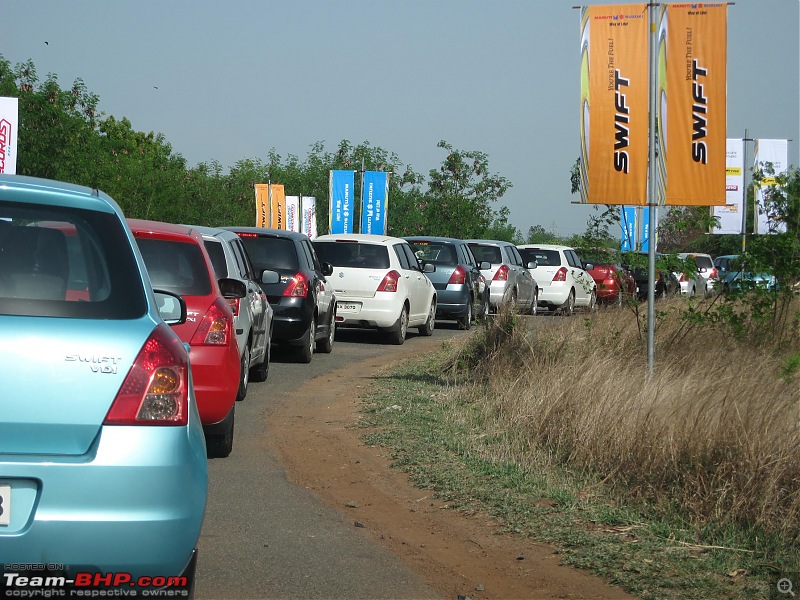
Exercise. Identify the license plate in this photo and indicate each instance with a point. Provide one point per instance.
(5, 505)
(348, 306)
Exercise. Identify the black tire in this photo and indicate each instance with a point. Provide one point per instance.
(569, 306)
(306, 350)
(244, 374)
(483, 312)
(592, 301)
(261, 372)
(220, 445)
(397, 334)
(326, 346)
(535, 302)
(430, 322)
(465, 322)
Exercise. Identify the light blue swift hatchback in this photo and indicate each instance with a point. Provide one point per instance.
(102, 457)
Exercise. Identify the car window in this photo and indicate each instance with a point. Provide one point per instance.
(573, 259)
(242, 259)
(412, 258)
(354, 254)
(704, 262)
(174, 266)
(217, 255)
(267, 252)
(402, 257)
(543, 258)
(440, 253)
(483, 252)
(312, 255)
(67, 262)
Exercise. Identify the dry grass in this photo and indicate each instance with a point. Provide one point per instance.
(715, 433)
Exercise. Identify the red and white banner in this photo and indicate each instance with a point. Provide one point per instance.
(293, 213)
(9, 130)
(308, 216)
(730, 215)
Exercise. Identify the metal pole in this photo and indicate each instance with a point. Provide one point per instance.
(744, 184)
(651, 192)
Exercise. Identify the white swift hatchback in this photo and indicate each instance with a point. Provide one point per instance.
(379, 283)
(563, 282)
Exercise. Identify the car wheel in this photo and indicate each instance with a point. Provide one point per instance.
(430, 323)
(514, 299)
(535, 301)
(465, 322)
(569, 306)
(244, 375)
(306, 350)
(592, 301)
(220, 445)
(261, 372)
(397, 335)
(620, 299)
(325, 346)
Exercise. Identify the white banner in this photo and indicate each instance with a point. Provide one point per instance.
(730, 215)
(292, 213)
(308, 214)
(9, 130)
(777, 153)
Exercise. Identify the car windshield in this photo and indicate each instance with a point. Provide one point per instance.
(177, 267)
(486, 253)
(439, 253)
(65, 262)
(268, 252)
(353, 254)
(543, 258)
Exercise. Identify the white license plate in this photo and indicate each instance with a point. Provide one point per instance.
(348, 306)
(5, 504)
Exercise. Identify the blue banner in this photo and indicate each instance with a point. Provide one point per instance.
(628, 214)
(646, 229)
(374, 200)
(340, 192)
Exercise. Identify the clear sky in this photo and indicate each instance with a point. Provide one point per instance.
(231, 80)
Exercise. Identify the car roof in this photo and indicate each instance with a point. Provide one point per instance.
(166, 229)
(367, 238)
(545, 247)
(21, 188)
(285, 233)
(218, 232)
(490, 242)
(432, 238)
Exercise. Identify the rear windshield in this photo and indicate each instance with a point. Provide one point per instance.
(65, 262)
(353, 254)
(486, 253)
(177, 267)
(543, 258)
(273, 253)
(704, 261)
(439, 253)
(217, 255)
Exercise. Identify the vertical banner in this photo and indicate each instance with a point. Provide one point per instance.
(277, 206)
(691, 101)
(9, 129)
(308, 211)
(340, 193)
(645, 246)
(730, 215)
(614, 98)
(775, 152)
(293, 213)
(374, 200)
(262, 204)
(628, 239)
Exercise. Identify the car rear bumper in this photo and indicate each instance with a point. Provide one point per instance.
(134, 503)
(291, 318)
(216, 372)
(498, 294)
(453, 301)
(382, 311)
(555, 294)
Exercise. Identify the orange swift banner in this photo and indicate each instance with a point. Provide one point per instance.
(614, 104)
(262, 205)
(277, 206)
(692, 81)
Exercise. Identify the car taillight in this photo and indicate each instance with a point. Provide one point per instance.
(215, 328)
(459, 276)
(297, 286)
(561, 274)
(234, 304)
(155, 391)
(713, 274)
(389, 283)
(682, 278)
(501, 274)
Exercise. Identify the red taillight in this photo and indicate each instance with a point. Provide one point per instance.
(459, 276)
(389, 283)
(155, 391)
(561, 274)
(215, 328)
(713, 273)
(297, 286)
(501, 274)
(682, 278)
(234, 304)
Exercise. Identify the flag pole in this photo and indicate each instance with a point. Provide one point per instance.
(651, 190)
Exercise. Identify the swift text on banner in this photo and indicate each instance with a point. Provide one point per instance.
(374, 201)
(262, 204)
(277, 206)
(340, 192)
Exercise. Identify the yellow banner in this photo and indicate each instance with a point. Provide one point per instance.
(614, 104)
(692, 77)
(277, 212)
(262, 205)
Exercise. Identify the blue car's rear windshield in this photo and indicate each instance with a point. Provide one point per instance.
(67, 262)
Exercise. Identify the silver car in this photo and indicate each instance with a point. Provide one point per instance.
(252, 315)
(510, 281)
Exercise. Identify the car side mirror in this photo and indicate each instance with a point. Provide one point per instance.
(171, 307)
(269, 277)
(232, 288)
(532, 264)
(588, 266)
(428, 268)
(484, 265)
(327, 269)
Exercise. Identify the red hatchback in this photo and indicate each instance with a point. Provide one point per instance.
(615, 283)
(177, 262)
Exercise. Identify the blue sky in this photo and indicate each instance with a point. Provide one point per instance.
(235, 79)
